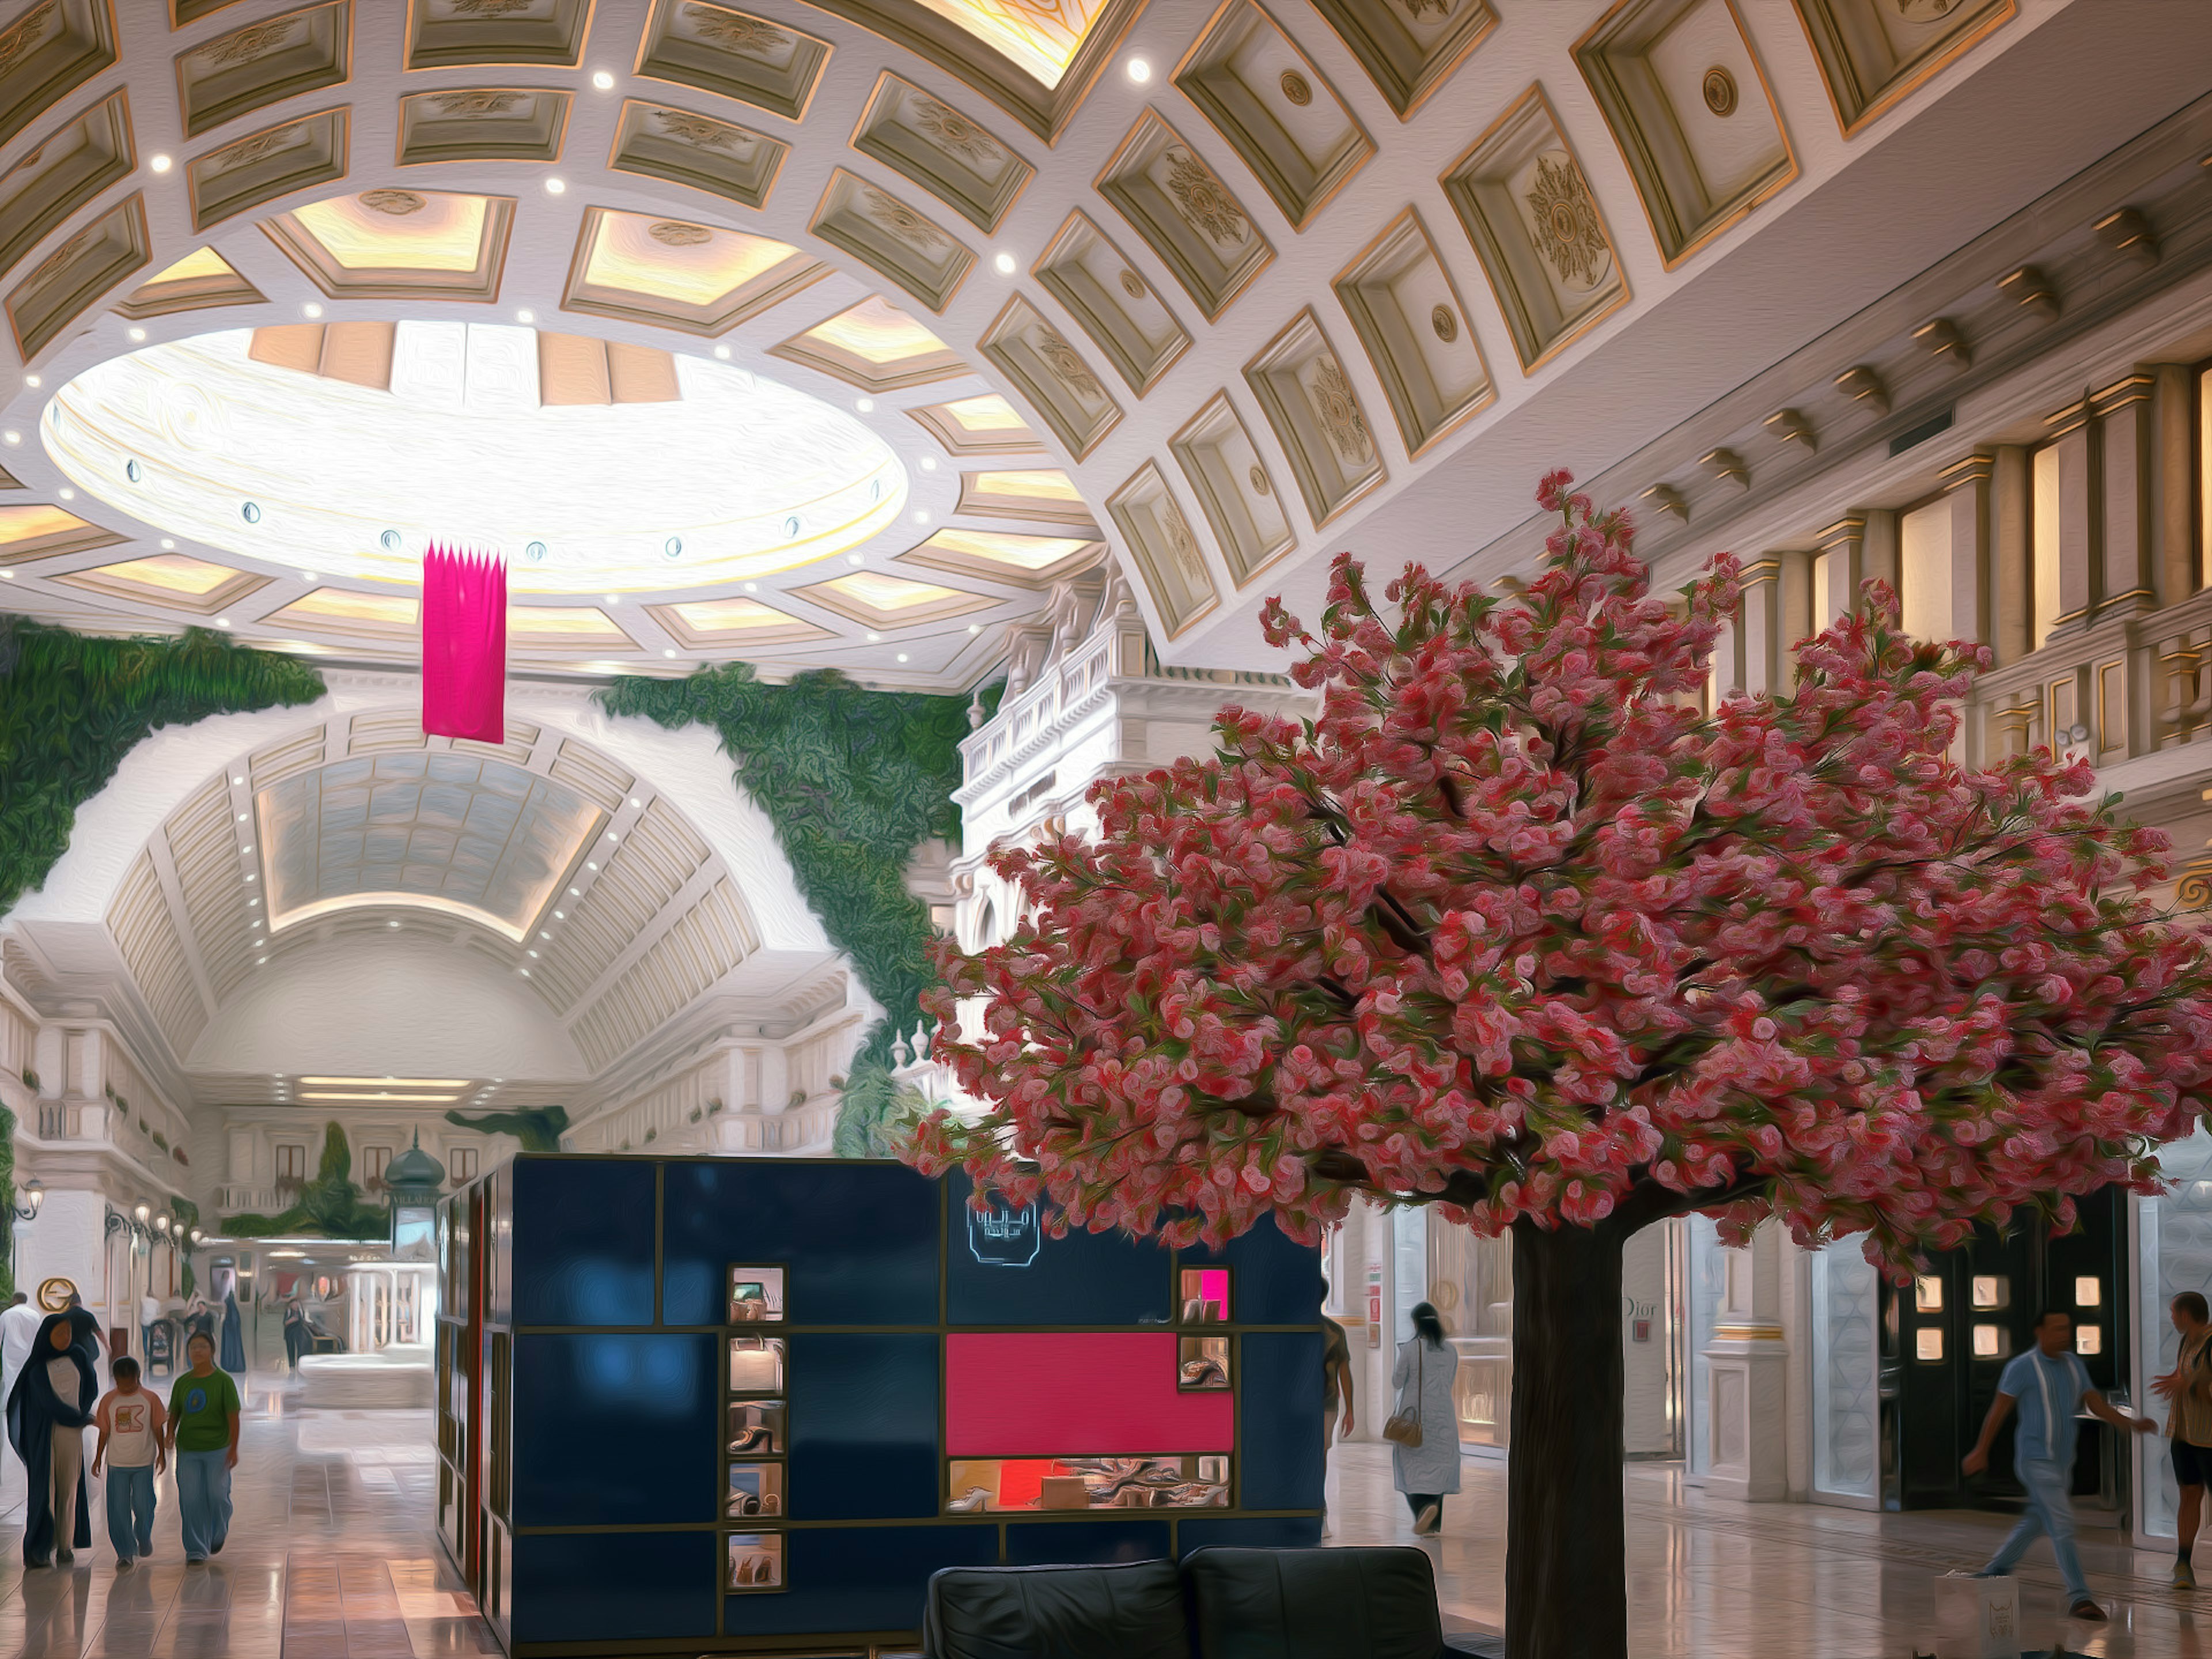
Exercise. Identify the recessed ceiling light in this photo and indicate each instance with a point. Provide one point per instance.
(922, 515)
(245, 847)
(975, 627)
(559, 915)
(526, 316)
(634, 801)
(752, 588)
(542, 934)
(253, 900)
(160, 163)
(241, 818)
(67, 494)
(533, 955)
(222, 621)
(1003, 264)
(253, 877)
(137, 334)
(588, 865)
(866, 405)
(261, 962)
(30, 379)
(1139, 69)
(11, 437)
(929, 464)
(875, 638)
(614, 599)
(237, 779)
(526, 972)
(311, 309)
(310, 576)
(667, 652)
(856, 558)
(612, 836)
(555, 185)
(574, 892)
(8, 575)
(167, 544)
(901, 656)
(723, 352)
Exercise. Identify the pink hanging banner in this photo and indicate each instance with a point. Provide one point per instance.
(465, 645)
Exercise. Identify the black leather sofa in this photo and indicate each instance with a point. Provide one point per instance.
(1377, 1603)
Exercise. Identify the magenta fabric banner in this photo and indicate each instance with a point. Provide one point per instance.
(465, 645)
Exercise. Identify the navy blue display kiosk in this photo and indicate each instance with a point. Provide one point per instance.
(750, 1404)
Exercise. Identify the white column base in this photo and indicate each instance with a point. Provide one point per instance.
(1746, 1401)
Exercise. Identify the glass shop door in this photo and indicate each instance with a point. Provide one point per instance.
(1945, 1340)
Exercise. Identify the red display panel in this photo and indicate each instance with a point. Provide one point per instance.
(1026, 1394)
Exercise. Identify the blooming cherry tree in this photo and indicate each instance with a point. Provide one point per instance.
(1514, 927)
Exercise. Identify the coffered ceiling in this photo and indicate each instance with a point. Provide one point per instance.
(842, 333)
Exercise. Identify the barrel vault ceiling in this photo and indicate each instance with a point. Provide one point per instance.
(895, 315)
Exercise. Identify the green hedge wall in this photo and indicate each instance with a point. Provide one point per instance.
(72, 706)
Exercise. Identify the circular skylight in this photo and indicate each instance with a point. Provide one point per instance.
(595, 469)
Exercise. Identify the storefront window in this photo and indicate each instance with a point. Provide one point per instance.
(1471, 1283)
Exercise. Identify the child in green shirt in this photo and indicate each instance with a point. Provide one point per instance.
(203, 1432)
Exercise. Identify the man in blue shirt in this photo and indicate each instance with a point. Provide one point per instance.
(2051, 1385)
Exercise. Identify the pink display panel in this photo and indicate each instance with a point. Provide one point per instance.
(1026, 1394)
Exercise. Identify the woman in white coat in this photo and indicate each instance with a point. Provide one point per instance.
(1422, 1378)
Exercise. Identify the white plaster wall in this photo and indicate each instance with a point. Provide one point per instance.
(369, 1008)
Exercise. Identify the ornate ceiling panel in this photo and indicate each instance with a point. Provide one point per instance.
(948, 221)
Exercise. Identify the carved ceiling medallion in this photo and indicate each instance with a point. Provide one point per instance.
(671, 233)
(1444, 324)
(257, 40)
(396, 203)
(1337, 407)
(28, 31)
(953, 131)
(1202, 200)
(1061, 357)
(1132, 285)
(902, 221)
(1260, 484)
(1925, 11)
(248, 151)
(1565, 221)
(699, 131)
(468, 104)
(747, 36)
(1296, 89)
(1181, 542)
(1417, 9)
(490, 8)
(1719, 88)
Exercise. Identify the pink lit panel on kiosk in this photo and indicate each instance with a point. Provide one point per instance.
(1030, 1394)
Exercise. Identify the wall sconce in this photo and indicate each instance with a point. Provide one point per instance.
(34, 1193)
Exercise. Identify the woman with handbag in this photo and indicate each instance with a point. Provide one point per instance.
(1424, 1433)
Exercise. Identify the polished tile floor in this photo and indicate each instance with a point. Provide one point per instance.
(1713, 1579)
(330, 1557)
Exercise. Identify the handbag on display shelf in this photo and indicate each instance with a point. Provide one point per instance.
(1063, 1491)
(755, 1570)
(749, 1310)
(1404, 1426)
(755, 1371)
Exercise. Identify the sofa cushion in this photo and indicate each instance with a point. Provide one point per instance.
(1130, 1612)
(1314, 1604)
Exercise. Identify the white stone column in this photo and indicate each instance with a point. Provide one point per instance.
(1747, 1361)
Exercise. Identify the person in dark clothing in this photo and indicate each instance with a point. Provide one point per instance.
(295, 1333)
(48, 1411)
(234, 1335)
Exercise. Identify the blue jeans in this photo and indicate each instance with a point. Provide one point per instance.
(2049, 1510)
(204, 1501)
(130, 1510)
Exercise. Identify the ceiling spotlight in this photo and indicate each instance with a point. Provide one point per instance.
(588, 865)
(975, 627)
(555, 185)
(667, 652)
(723, 352)
(261, 962)
(241, 818)
(922, 515)
(856, 558)
(160, 163)
(866, 405)
(311, 309)
(929, 464)
(634, 801)
(612, 836)
(533, 955)
(222, 621)
(613, 598)
(576, 892)
(1139, 69)
(542, 934)
(526, 316)
(752, 588)
(167, 545)
(7, 575)
(31, 380)
(136, 335)
(253, 877)
(238, 780)
(11, 437)
(602, 80)
(1003, 262)
(392, 924)
(67, 494)
(875, 638)
(559, 915)
(253, 900)
(901, 656)
(309, 576)
(526, 972)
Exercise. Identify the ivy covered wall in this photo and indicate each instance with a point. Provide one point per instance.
(855, 781)
(72, 706)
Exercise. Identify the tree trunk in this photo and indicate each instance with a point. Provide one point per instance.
(1566, 1593)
